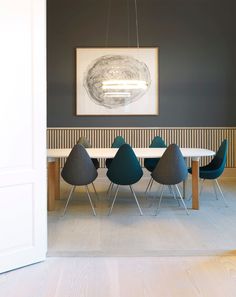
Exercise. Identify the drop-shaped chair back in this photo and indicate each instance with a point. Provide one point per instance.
(84, 141)
(157, 142)
(125, 168)
(79, 169)
(150, 163)
(219, 161)
(171, 168)
(118, 142)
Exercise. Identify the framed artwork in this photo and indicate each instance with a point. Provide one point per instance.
(116, 81)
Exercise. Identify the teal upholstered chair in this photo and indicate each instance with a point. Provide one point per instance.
(117, 143)
(150, 163)
(171, 170)
(215, 168)
(125, 170)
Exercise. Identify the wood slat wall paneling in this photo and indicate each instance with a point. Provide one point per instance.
(209, 138)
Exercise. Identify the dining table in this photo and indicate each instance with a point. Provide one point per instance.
(54, 155)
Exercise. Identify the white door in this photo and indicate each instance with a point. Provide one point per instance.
(23, 236)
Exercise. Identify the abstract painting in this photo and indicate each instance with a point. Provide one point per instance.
(117, 81)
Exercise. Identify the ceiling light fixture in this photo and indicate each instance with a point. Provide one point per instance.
(118, 76)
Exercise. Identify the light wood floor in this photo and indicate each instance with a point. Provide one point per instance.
(186, 273)
(209, 231)
(124, 277)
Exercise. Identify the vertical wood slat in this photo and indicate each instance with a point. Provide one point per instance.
(209, 138)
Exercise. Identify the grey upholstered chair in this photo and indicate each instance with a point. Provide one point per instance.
(151, 163)
(85, 142)
(79, 170)
(170, 171)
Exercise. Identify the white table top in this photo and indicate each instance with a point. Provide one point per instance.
(139, 152)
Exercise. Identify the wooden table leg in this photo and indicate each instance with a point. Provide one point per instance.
(195, 183)
(53, 183)
(185, 182)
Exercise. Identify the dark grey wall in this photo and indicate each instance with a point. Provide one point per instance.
(197, 58)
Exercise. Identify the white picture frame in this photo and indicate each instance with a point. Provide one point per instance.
(147, 104)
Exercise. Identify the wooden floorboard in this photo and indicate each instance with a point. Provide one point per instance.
(126, 255)
(124, 277)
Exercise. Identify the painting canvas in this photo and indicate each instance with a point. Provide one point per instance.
(116, 81)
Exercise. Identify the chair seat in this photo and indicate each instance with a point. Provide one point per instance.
(205, 172)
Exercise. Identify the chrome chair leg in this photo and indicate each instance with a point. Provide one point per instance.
(140, 210)
(109, 191)
(148, 189)
(201, 188)
(174, 194)
(159, 204)
(214, 187)
(222, 195)
(117, 189)
(95, 191)
(184, 188)
(151, 185)
(200, 192)
(68, 199)
(148, 186)
(90, 200)
(152, 201)
(182, 199)
(169, 187)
